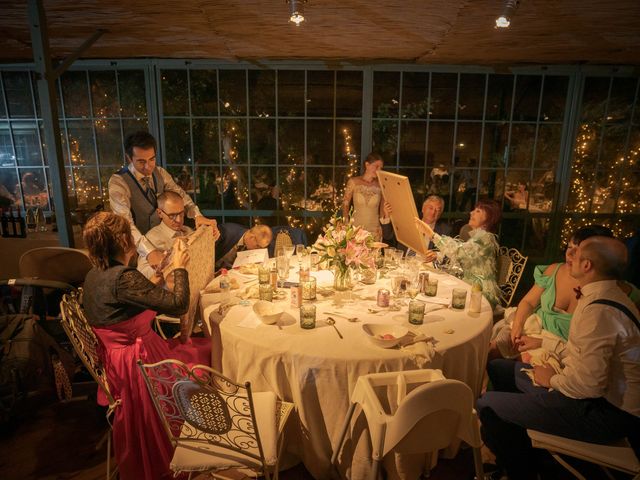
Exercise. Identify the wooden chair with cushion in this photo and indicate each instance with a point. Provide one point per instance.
(214, 423)
(85, 343)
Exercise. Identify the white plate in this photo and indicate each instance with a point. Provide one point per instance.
(384, 335)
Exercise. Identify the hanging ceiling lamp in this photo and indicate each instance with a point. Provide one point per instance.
(296, 11)
(508, 11)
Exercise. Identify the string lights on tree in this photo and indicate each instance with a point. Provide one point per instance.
(589, 197)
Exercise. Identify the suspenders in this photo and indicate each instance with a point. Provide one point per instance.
(619, 306)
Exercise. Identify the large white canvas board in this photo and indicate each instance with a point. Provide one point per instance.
(396, 190)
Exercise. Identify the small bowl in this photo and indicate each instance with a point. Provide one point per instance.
(267, 312)
(384, 335)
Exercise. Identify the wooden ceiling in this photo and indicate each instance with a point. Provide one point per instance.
(358, 31)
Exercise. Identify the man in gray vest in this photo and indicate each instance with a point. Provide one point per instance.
(133, 193)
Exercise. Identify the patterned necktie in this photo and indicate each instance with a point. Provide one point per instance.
(578, 291)
(148, 190)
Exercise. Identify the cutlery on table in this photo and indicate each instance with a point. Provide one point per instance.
(332, 322)
(341, 315)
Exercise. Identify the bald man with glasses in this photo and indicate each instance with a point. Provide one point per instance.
(171, 213)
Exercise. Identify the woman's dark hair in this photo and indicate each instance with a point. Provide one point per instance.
(374, 157)
(493, 211)
(106, 235)
(140, 139)
(590, 231)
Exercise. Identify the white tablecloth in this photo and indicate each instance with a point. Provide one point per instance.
(317, 370)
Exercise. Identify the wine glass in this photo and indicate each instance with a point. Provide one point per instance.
(282, 265)
(299, 250)
(413, 287)
(288, 250)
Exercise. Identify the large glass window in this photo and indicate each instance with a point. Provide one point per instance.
(466, 136)
(277, 144)
(604, 185)
(95, 108)
(274, 146)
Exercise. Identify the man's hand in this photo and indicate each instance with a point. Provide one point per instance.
(542, 374)
(430, 256)
(202, 220)
(155, 258)
(528, 343)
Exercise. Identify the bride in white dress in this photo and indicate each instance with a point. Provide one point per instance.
(365, 193)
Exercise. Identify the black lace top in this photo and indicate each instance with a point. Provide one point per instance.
(119, 293)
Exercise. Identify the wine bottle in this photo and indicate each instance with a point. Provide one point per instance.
(41, 221)
(22, 225)
(31, 219)
(4, 221)
(13, 224)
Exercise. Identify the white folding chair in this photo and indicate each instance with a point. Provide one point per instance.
(430, 418)
(214, 423)
(617, 456)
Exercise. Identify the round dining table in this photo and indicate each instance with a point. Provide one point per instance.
(317, 370)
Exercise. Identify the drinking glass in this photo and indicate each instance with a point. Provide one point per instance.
(413, 287)
(309, 289)
(307, 316)
(399, 284)
(389, 257)
(288, 250)
(299, 250)
(432, 287)
(265, 292)
(459, 298)
(416, 312)
(314, 258)
(264, 273)
(282, 265)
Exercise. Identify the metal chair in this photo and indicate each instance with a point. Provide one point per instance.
(618, 456)
(61, 264)
(214, 423)
(58, 264)
(85, 343)
(510, 266)
(431, 417)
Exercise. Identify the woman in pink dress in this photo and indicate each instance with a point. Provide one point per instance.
(120, 304)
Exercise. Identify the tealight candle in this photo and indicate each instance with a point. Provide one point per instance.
(309, 289)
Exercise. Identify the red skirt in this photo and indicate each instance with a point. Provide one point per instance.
(140, 442)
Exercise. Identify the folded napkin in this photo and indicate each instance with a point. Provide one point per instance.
(540, 357)
(251, 320)
(438, 300)
(420, 347)
(251, 292)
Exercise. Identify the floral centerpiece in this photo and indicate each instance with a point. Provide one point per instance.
(345, 247)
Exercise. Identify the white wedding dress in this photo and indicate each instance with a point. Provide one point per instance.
(366, 206)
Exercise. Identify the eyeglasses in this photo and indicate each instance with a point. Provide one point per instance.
(173, 216)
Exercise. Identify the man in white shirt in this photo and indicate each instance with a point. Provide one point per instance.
(595, 395)
(163, 236)
(133, 193)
